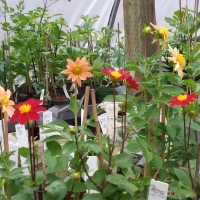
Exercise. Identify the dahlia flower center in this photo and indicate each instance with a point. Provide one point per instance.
(116, 74)
(180, 59)
(77, 70)
(182, 97)
(5, 100)
(164, 32)
(25, 108)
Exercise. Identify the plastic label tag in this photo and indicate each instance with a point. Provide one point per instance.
(103, 122)
(158, 190)
(65, 91)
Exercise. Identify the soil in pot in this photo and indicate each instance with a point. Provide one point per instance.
(59, 100)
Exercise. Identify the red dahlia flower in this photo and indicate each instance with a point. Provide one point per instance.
(131, 83)
(27, 111)
(115, 75)
(183, 99)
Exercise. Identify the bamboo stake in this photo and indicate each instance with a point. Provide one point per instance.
(98, 134)
(86, 102)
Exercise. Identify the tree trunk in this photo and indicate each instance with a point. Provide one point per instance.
(137, 13)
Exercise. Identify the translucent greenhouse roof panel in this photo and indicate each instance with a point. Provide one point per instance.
(72, 11)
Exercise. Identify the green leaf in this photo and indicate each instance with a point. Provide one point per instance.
(109, 189)
(88, 132)
(171, 131)
(21, 196)
(78, 186)
(138, 121)
(57, 189)
(24, 152)
(141, 108)
(173, 90)
(74, 105)
(148, 156)
(99, 175)
(195, 126)
(61, 123)
(39, 177)
(122, 160)
(54, 148)
(152, 112)
(69, 147)
(53, 138)
(182, 176)
(51, 162)
(94, 197)
(188, 193)
(157, 161)
(63, 161)
(143, 142)
(93, 145)
(121, 182)
(17, 170)
(133, 147)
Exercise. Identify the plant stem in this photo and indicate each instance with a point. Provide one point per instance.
(196, 179)
(186, 149)
(188, 142)
(114, 134)
(124, 122)
(31, 158)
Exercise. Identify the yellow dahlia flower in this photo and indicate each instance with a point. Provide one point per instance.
(178, 59)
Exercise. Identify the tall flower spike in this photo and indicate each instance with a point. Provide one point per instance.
(27, 110)
(78, 70)
(5, 103)
(160, 33)
(114, 74)
(183, 99)
(178, 59)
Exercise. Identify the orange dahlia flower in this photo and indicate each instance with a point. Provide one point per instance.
(78, 70)
(183, 99)
(5, 103)
(115, 75)
(27, 110)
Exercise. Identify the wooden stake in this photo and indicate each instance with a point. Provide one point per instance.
(98, 133)
(5, 132)
(86, 102)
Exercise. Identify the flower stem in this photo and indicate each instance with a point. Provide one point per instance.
(124, 122)
(31, 157)
(114, 134)
(186, 149)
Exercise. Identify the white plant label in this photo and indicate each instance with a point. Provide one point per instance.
(65, 91)
(42, 94)
(22, 138)
(110, 109)
(21, 135)
(47, 117)
(103, 122)
(158, 190)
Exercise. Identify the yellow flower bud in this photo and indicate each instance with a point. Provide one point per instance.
(76, 176)
(148, 30)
